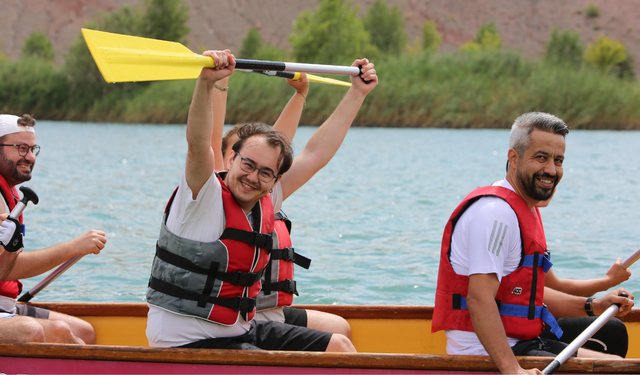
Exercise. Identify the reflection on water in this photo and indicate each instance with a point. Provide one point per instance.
(371, 220)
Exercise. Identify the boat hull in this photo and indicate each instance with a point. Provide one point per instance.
(390, 340)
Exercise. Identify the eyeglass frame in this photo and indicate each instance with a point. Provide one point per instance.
(34, 149)
(267, 170)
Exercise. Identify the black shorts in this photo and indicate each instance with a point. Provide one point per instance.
(296, 317)
(265, 335)
(612, 338)
(539, 347)
(32, 311)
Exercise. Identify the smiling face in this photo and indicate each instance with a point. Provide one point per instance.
(245, 187)
(536, 173)
(14, 168)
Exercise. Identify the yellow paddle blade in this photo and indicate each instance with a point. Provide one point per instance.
(329, 81)
(124, 58)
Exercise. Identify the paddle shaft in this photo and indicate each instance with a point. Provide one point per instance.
(630, 260)
(49, 279)
(296, 67)
(581, 339)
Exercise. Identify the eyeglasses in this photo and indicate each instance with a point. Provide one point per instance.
(24, 149)
(248, 166)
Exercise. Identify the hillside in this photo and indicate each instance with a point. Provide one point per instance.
(524, 25)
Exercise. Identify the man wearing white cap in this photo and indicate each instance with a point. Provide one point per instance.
(18, 151)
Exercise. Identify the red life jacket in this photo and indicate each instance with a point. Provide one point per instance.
(12, 288)
(278, 285)
(217, 280)
(520, 295)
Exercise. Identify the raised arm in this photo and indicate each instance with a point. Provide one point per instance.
(219, 112)
(200, 157)
(615, 276)
(327, 139)
(289, 118)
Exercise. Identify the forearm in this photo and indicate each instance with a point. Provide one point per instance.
(200, 120)
(33, 263)
(289, 118)
(563, 305)
(582, 287)
(326, 141)
(219, 113)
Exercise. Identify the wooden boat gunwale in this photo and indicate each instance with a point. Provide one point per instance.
(390, 361)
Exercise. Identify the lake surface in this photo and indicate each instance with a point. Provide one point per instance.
(371, 220)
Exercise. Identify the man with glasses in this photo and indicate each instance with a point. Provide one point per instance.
(18, 151)
(217, 232)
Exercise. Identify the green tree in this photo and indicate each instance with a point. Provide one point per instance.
(86, 82)
(251, 44)
(3, 57)
(564, 47)
(610, 55)
(166, 20)
(488, 37)
(592, 11)
(39, 46)
(431, 38)
(386, 27)
(605, 53)
(330, 35)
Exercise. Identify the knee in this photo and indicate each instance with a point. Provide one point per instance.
(343, 328)
(30, 331)
(340, 343)
(84, 330)
(60, 332)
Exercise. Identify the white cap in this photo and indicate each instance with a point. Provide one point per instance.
(9, 125)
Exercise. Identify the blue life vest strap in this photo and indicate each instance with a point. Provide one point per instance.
(543, 262)
(522, 311)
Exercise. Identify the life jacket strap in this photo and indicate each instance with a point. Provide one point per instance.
(280, 215)
(287, 286)
(522, 311)
(289, 254)
(543, 261)
(236, 278)
(261, 240)
(243, 304)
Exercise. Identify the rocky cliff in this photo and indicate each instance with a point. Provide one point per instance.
(524, 25)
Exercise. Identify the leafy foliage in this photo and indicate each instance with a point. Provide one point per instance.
(606, 54)
(592, 11)
(39, 46)
(431, 38)
(564, 47)
(487, 38)
(331, 35)
(251, 44)
(166, 20)
(385, 26)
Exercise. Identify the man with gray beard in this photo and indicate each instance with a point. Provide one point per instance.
(491, 297)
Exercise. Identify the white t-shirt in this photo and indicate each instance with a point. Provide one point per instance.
(202, 220)
(489, 234)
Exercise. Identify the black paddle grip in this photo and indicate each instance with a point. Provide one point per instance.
(363, 80)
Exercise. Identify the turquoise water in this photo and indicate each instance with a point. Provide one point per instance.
(371, 220)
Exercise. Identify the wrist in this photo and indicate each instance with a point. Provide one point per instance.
(588, 306)
(221, 88)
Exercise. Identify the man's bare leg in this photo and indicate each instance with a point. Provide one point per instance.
(326, 322)
(21, 329)
(79, 328)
